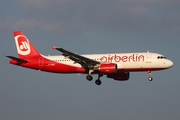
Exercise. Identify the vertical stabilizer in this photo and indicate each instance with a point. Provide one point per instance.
(24, 47)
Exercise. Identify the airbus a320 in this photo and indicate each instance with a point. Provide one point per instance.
(116, 66)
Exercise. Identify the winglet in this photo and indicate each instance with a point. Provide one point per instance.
(53, 47)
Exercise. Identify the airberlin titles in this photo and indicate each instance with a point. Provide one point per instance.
(124, 58)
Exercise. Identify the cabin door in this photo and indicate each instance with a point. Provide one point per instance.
(148, 58)
(41, 61)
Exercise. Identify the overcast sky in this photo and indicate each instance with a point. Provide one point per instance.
(90, 26)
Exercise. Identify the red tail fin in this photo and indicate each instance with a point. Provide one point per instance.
(24, 47)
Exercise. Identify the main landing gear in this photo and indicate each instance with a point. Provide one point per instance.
(89, 77)
(97, 82)
(149, 76)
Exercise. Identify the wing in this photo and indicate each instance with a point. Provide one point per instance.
(83, 61)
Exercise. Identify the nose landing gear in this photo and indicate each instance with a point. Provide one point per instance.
(149, 76)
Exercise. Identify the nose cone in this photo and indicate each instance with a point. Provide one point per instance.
(169, 63)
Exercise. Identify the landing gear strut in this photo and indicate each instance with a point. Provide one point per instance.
(149, 76)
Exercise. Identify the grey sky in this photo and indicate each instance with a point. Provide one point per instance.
(96, 26)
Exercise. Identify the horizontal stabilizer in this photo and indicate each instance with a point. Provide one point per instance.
(17, 59)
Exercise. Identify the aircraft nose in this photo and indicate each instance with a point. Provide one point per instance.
(170, 63)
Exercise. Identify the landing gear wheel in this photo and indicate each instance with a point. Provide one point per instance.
(89, 77)
(149, 74)
(98, 82)
(150, 78)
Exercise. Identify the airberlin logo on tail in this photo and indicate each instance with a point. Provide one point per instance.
(22, 44)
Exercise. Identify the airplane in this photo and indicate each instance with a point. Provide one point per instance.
(116, 66)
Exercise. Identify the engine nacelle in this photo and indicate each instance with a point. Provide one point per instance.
(108, 68)
(121, 76)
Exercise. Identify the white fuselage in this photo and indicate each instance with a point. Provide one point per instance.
(129, 61)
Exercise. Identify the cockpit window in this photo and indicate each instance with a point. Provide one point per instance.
(161, 57)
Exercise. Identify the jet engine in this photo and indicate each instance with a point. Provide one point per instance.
(108, 68)
(120, 76)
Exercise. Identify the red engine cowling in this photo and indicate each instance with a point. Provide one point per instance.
(108, 68)
(121, 76)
